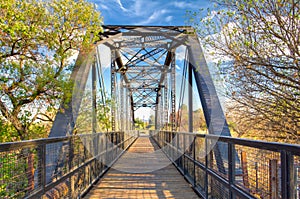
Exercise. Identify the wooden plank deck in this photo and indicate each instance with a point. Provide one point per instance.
(142, 172)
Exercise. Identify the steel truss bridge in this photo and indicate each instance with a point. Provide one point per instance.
(94, 151)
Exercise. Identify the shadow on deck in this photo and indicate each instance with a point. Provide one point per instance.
(142, 172)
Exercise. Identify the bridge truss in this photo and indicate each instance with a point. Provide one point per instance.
(143, 74)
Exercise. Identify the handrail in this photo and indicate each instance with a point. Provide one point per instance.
(83, 159)
(274, 146)
(253, 169)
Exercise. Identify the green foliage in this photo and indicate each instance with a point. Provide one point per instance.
(85, 116)
(36, 130)
(7, 132)
(15, 173)
(7, 189)
(139, 124)
(103, 116)
(37, 40)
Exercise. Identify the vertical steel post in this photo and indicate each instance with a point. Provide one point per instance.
(194, 159)
(132, 110)
(156, 110)
(94, 98)
(122, 116)
(207, 154)
(177, 153)
(287, 175)
(126, 108)
(231, 168)
(43, 166)
(165, 110)
(113, 91)
(156, 116)
(184, 153)
(190, 96)
(173, 92)
(70, 165)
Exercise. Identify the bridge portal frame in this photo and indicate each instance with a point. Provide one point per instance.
(158, 38)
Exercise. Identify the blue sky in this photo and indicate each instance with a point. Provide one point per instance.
(147, 12)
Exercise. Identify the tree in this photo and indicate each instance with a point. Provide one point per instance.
(261, 41)
(139, 124)
(37, 39)
(85, 116)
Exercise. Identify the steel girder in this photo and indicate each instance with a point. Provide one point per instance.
(143, 56)
(154, 47)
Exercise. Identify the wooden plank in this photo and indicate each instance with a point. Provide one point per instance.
(273, 178)
(245, 169)
(142, 172)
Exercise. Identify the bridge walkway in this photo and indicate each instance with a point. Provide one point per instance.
(142, 172)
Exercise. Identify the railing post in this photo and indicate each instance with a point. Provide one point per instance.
(85, 152)
(105, 154)
(71, 179)
(231, 168)
(207, 153)
(184, 170)
(177, 148)
(287, 175)
(42, 166)
(194, 158)
(164, 135)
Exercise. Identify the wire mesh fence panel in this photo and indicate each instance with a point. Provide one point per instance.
(200, 149)
(218, 157)
(216, 190)
(200, 179)
(260, 172)
(174, 148)
(57, 160)
(225, 167)
(62, 167)
(17, 176)
(189, 168)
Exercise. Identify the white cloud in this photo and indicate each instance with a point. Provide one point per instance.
(149, 11)
(169, 18)
(137, 8)
(183, 4)
(154, 17)
(103, 7)
(121, 6)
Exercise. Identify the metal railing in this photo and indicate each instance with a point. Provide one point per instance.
(251, 169)
(63, 167)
